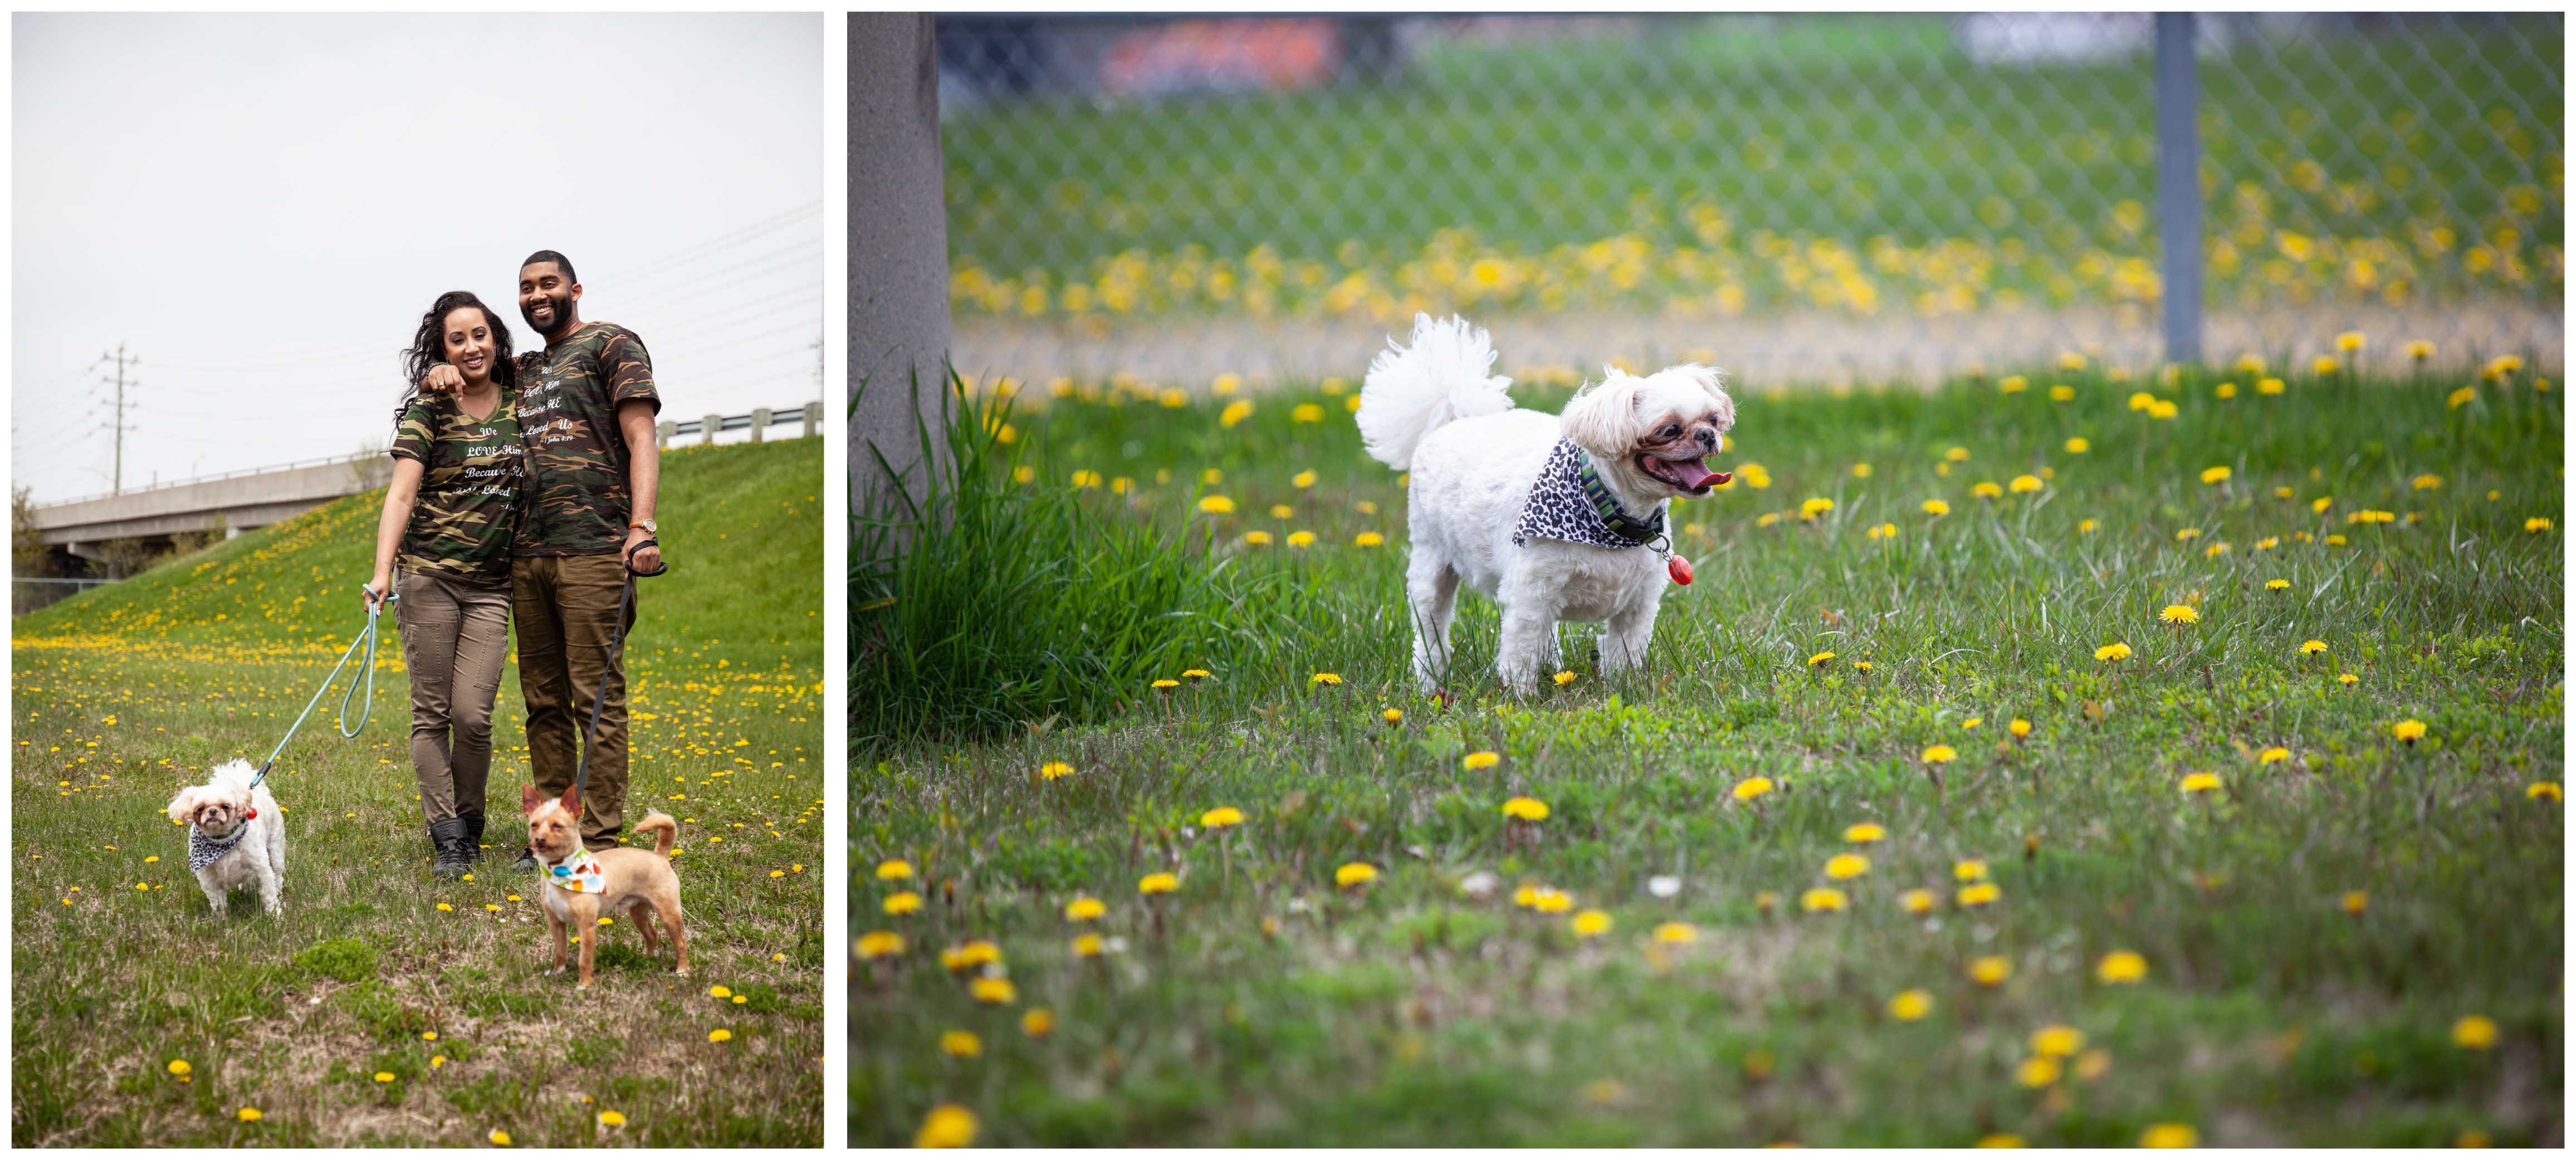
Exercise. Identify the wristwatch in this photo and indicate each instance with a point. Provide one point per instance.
(648, 527)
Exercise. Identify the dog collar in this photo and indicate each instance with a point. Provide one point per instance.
(579, 874)
(204, 851)
(1570, 502)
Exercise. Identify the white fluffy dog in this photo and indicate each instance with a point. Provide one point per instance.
(236, 837)
(1555, 517)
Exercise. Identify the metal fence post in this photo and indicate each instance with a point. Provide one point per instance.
(2178, 183)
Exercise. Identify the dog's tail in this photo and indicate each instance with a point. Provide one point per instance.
(657, 820)
(1441, 377)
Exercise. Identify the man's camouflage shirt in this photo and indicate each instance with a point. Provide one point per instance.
(473, 479)
(568, 397)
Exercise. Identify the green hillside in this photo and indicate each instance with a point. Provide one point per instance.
(128, 692)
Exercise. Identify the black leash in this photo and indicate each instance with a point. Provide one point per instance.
(616, 645)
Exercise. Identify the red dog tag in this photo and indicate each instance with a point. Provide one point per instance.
(1680, 568)
(253, 815)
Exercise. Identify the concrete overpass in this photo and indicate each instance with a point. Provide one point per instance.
(241, 501)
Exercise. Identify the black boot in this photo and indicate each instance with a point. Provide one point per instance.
(473, 837)
(448, 835)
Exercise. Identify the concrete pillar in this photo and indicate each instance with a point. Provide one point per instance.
(898, 240)
(2178, 182)
(759, 422)
(667, 428)
(813, 417)
(708, 427)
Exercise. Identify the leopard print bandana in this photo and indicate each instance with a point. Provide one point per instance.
(204, 851)
(1570, 503)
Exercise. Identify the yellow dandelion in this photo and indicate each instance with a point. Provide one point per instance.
(1990, 970)
(720, 1035)
(2349, 341)
(247, 1115)
(2408, 730)
(1934, 507)
(2419, 350)
(1257, 539)
(1909, 1006)
(1591, 923)
(1086, 946)
(1956, 455)
(2544, 789)
(2013, 385)
(1037, 1022)
(2169, 1136)
(1823, 898)
(1158, 883)
(2020, 728)
(902, 902)
(1918, 901)
(2000, 1140)
(1972, 723)
(1864, 833)
(2355, 902)
(2536, 524)
(1368, 540)
(2121, 967)
(1324, 679)
(1751, 788)
(1564, 678)
(1860, 471)
(1819, 659)
(1987, 489)
(2179, 614)
(1303, 479)
(2224, 390)
(2025, 483)
(2187, 534)
(1481, 759)
(179, 1067)
(1393, 716)
(1939, 754)
(877, 944)
(1350, 874)
(1166, 683)
(2475, 1032)
(2062, 393)
(1676, 932)
(2038, 1072)
(1980, 894)
(2348, 679)
(947, 1126)
(2271, 756)
(2087, 527)
(1526, 809)
(2056, 1039)
(2078, 445)
(2269, 387)
(2111, 652)
(988, 991)
(1846, 866)
(1084, 909)
(1970, 870)
(1055, 769)
(2277, 585)
(962, 1044)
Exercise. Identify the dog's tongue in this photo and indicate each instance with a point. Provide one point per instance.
(1694, 473)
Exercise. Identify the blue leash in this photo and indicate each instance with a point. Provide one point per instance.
(366, 638)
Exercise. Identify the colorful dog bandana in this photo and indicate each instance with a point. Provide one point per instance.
(579, 874)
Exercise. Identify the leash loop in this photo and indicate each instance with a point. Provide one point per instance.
(367, 640)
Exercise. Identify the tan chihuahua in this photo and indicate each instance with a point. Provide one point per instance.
(580, 885)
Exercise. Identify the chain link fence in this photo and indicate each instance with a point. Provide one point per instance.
(1795, 198)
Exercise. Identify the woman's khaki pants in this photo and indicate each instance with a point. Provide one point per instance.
(455, 637)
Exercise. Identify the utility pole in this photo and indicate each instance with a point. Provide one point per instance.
(117, 424)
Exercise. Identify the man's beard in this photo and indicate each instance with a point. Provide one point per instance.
(562, 307)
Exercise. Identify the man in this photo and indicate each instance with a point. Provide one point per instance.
(587, 408)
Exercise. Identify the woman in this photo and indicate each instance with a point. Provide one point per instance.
(449, 516)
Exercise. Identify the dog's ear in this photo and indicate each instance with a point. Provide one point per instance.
(572, 803)
(184, 806)
(528, 799)
(1603, 419)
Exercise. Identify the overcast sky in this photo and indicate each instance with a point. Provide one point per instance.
(262, 207)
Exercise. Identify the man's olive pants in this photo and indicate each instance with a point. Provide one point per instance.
(564, 606)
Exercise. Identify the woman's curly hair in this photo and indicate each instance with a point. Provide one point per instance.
(429, 346)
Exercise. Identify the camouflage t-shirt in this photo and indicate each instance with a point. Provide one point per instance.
(568, 397)
(473, 476)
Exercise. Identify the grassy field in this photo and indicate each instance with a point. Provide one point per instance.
(385, 1006)
(1729, 164)
(2355, 937)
